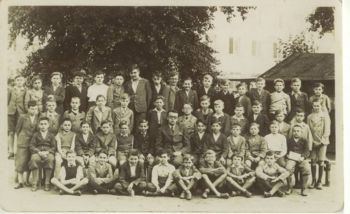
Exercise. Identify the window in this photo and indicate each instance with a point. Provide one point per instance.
(231, 46)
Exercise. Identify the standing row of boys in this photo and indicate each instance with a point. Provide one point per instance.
(150, 138)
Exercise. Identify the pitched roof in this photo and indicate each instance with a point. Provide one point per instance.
(306, 66)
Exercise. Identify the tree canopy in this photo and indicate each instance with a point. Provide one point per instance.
(322, 20)
(111, 39)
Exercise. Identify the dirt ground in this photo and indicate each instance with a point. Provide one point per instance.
(329, 199)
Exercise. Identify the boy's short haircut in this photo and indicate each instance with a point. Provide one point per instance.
(219, 102)
(208, 76)
(215, 120)
(135, 67)
(205, 98)
(103, 151)
(173, 111)
(235, 125)
(200, 121)
(187, 79)
(239, 106)
(66, 119)
(105, 122)
(44, 118)
(298, 126)
(99, 73)
(75, 98)
(277, 112)
(188, 157)
(79, 73)
(274, 122)
(238, 156)
(124, 96)
(157, 74)
(100, 96)
(278, 80)
(32, 103)
(224, 82)
(35, 78)
(174, 73)
(295, 80)
(318, 84)
(300, 110)
(260, 79)
(119, 74)
(242, 84)
(70, 152)
(254, 124)
(160, 97)
(56, 73)
(123, 123)
(84, 122)
(51, 100)
(190, 104)
(256, 103)
(316, 100)
(163, 152)
(143, 121)
(270, 153)
(134, 152)
(209, 152)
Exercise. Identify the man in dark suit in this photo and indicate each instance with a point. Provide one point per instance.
(260, 94)
(159, 89)
(172, 138)
(206, 88)
(131, 176)
(259, 118)
(140, 93)
(186, 95)
(77, 89)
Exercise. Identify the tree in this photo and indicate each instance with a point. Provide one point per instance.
(295, 44)
(113, 38)
(322, 20)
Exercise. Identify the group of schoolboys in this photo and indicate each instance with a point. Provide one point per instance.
(156, 139)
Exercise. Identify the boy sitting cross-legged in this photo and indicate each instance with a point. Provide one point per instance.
(71, 177)
(186, 177)
(131, 176)
(240, 177)
(213, 174)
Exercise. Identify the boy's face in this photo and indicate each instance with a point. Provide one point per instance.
(135, 74)
(156, 80)
(102, 158)
(78, 80)
(215, 127)
(124, 129)
(143, 127)
(296, 86)
(270, 160)
(85, 128)
(187, 109)
(201, 127)
(75, 103)
(51, 106)
(237, 161)
(37, 84)
(316, 106)
(99, 79)
(106, 128)
(133, 159)
(164, 158)
(100, 102)
(242, 90)
(318, 91)
(280, 117)
(205, 104)
(210, 158)
(274, 128)
(56, 79)
(296, 132)
(235, 131)
(260, 85)
(207, 82)
(43, 125)
(224, 87)
(239, 111)
(19, 81)
(159, 103)
(299, 117)
(172, 118)
(254, 130)
(71, 158)
(279, 86)
(124, 103)
(67, 126)
(218, 107)
(119, 80)
(256, 109)
(174, 80)
(33, 110)
(187, 85)
(188, 164)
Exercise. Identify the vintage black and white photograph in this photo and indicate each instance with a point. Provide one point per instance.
(172, 107)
